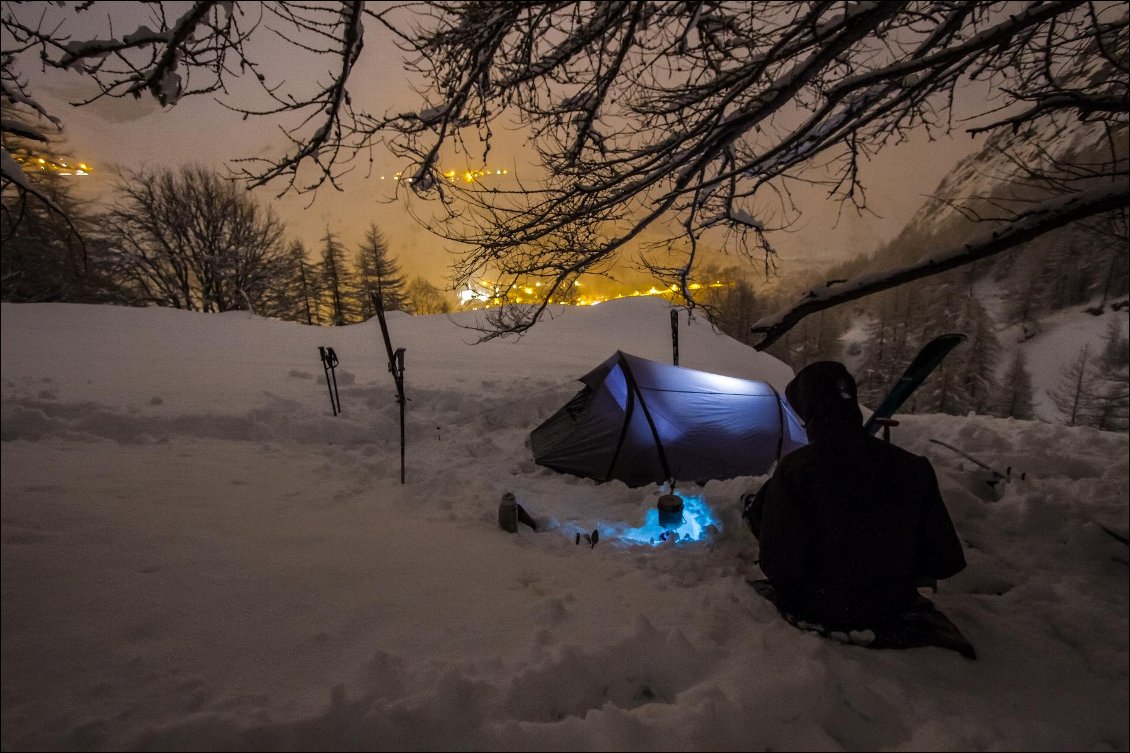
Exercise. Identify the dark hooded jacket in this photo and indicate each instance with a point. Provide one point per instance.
(849, 523)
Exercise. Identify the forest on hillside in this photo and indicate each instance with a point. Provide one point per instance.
(998, 303)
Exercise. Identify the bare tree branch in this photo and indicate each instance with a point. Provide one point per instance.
(688, 120)
(689, 129)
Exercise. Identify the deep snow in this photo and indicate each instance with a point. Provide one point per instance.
(198, 555)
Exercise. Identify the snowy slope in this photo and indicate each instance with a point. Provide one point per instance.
(1048, 354)
(1061, 338)
(198, 555)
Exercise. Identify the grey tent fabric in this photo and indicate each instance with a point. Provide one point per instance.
(643, 422)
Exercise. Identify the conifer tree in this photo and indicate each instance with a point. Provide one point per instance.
(293, 296)
(377, 270)
(1113, 396)
(1075, 394)
(1022, 297)
(943, 391)
(1116, 348)
(1074, 279)
(875, 376)
(1017, 399)
(927, 310)
(981, 354)
(733, 308)
(298, 295)
(336, 282)
(305, 284)
(1113, 411)
(1116, 279)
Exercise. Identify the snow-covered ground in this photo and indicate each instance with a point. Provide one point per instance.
(1050, 354)
(198, 555)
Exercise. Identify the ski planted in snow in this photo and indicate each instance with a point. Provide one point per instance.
(932, 354)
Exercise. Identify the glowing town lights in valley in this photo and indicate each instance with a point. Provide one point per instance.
(467, 176)
(55, 165)
(484, 293)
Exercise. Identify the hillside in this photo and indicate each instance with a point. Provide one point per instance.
(1028, 312)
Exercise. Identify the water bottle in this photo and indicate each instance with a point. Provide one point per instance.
(508, 513)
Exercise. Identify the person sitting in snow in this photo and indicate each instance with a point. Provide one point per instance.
(849, 524)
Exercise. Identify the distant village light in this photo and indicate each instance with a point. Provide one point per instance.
(58, 165)
(485, 293)
(468, 176)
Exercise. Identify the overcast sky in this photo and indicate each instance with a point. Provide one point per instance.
(139, 133)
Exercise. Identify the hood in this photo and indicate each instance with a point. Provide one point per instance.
(824, 396)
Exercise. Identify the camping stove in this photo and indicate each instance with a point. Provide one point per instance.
(670, 511)
(675, 518)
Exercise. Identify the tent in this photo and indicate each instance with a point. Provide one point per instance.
(644, 422)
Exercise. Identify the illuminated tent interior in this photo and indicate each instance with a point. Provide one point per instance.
(644, 422)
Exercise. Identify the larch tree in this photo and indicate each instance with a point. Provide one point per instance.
(294, 296)
(1016, 398)
(304, 283)
(377, 273)
(1075, 394)
(981, 354)
(1113, 391)
(337, 281)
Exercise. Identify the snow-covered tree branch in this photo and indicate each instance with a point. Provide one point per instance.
(1035, 222)
(696, 116)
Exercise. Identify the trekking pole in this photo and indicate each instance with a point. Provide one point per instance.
(329, 362)
(398, 377)
(333, 377)
(675, 336)
(395, 367)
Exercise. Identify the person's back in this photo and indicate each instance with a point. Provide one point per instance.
(849, 523)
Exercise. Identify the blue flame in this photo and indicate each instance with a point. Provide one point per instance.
(697, 518)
